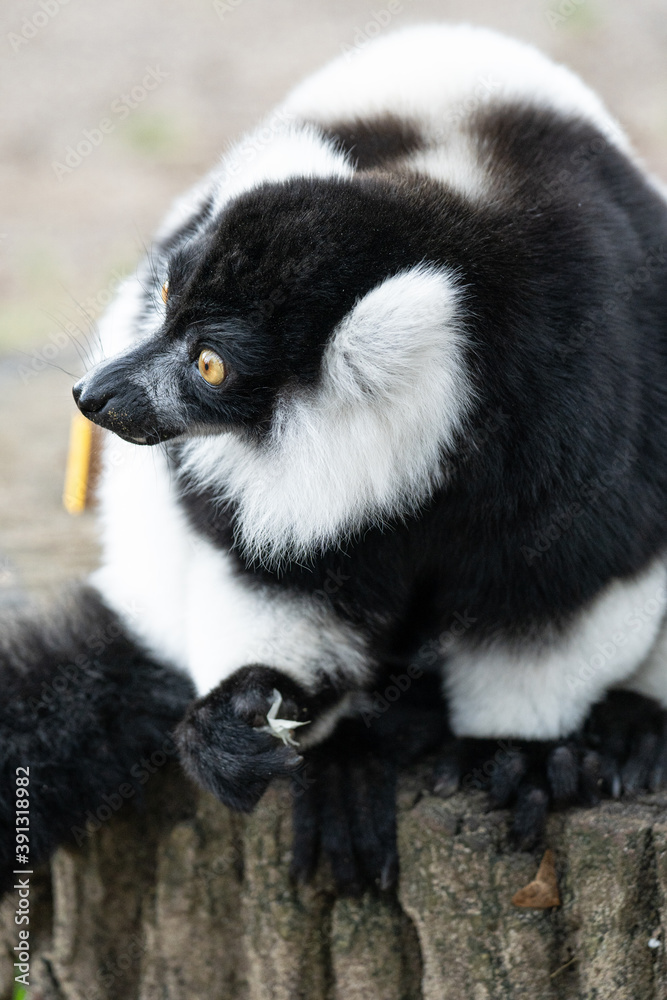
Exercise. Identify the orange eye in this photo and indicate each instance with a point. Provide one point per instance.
(211, 367)
(165, 292)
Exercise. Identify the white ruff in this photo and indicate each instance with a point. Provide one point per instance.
(368, 444)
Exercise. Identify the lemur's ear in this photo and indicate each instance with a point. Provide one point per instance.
(395, 387)
(403, 340)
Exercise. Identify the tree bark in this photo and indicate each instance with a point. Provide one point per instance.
(187, 900)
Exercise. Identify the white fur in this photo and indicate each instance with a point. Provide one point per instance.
(233, 622)
(498, 691)
(146, 549)
(177, 593)
(438, 77)
(369, 443)
(180, 596)
(439, 74)
(276, 151)
(456, 163)
(651, 678)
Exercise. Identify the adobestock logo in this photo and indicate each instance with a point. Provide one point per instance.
(31, 26)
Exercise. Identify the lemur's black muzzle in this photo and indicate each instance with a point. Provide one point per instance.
(110, 397)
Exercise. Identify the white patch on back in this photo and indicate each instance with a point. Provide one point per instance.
(545, 694)
(437, 75)
(278, 150)
(368, 444)
(455, 164)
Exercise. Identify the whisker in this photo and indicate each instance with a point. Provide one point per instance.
(44, 361)
(83, 356)
(91, 319)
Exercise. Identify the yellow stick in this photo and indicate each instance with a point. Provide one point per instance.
(78, 464)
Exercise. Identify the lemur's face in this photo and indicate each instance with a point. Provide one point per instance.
(241, 311)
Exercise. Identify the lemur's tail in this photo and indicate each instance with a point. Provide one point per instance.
(82, 705)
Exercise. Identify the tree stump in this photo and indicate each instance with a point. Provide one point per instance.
(185, 899)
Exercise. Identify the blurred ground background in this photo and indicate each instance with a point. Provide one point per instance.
(66, 236)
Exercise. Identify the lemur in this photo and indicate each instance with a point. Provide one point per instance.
(404, 353)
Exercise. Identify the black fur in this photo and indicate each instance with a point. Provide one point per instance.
(344, 793)
(567, 299)
(82, 707)
(629, 732)
(343, 788)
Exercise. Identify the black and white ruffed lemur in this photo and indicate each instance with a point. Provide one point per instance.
(405, 349)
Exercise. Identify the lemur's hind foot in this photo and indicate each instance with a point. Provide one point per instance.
(529, 777)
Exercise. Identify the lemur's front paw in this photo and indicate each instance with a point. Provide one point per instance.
(629, 732)
(237, 738)
(529, 777)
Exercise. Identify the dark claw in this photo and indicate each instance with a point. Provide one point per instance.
(336, 833)
(659, 771)
(346, 810)
(305, 826)
(636, 771)
(345, 792)
(591, 778)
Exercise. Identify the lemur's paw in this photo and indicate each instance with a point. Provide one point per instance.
(344, 808)
(629, 732)
(345, 792)
(237, 738)
(527, 776)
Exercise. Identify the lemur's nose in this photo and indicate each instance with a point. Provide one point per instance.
(89, 399)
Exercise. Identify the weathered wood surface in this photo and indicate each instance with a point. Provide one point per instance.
(189, 900)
